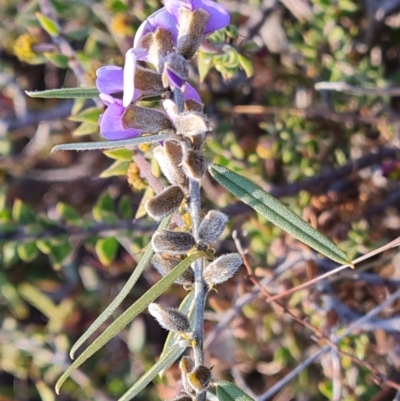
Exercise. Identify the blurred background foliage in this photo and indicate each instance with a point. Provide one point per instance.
(72, 227)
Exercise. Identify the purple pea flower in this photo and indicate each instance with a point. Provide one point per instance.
(110, 121)
(219, 16)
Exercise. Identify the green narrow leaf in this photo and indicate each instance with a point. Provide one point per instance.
(119, 167)
(111, 144)
(68, 213)
(163, 363)
(90, 115)
(39, 300)
(227, 391)
(247, 66)
(59, 60)
(106, 250)
(144, 261)
(47, 24)
(119, 154)
(65, 93)
(125, 207)
(204, 63)
(130, 314)
(86, 128)
(186, 307)
(276, 212)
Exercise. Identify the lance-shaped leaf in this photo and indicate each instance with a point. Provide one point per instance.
(144, 261)
(129, 315)
(65, 93)
(227, 391)
(111, 144)
(165, 361)
(276, 212)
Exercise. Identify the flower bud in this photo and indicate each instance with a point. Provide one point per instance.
(165, 265)
(165, 203)
(222, 269)
(194, 164)
(212, 226)
(170, 319)
(169, 158)
(172, 242)
(148, 120)
(191, 30)
(191, 123)
(199, 378)
(186, 365)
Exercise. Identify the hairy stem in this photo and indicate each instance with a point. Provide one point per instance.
(200, 287)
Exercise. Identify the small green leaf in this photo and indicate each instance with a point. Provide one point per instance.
(119, 154)
(44, 246)
(68, 213)
(247, 66)
(111, 144)
(106, 250)
(148, 194)
(59, 60)
(27, 251)
(21, 213)
(86, 128)
(163, 363)
(204, 62)
(65, 93)
(90, 115)
(47, 24)
(103, 211)
(9, 253)
(39, 300)
(125, 207)
(276, 212)
(227, 391)
(119, 167)
(114, 328)
(59, 253)
(144, 261)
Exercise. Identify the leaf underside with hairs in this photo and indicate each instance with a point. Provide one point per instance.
(111, 144)
(165, 361)
(130, 314)
(144, 261)
(277, 213)
(227, 391)
(65, 93)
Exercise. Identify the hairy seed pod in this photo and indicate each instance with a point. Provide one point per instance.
(222, 269)
(172, 242)
(169, 157)
(148, 120)
(199, 378)
(194, 164)
(165, 203)
(165, 265)
(178, 65)
(212, 226)
(193, 105)
(191, 123)
(191, 28)
(170, 319)
(186, 365)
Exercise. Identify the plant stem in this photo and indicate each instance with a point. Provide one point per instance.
(200, 287)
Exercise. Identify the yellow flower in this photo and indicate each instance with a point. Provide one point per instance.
(134, 178)
(23, 47)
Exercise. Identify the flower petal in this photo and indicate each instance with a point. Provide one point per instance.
(219, 16)
(160, 19)
(191, 94)
(111, 125)
(109, 79)
(174, 80)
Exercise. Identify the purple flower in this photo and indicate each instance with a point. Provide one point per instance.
(219, 16)
(189, 94)
(110, 122)
(160, 19)
(110, 79)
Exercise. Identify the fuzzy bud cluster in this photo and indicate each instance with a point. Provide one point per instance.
(170, 319)
(195, 379)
